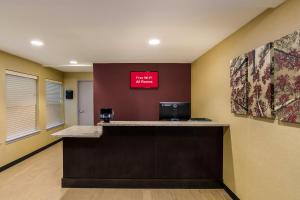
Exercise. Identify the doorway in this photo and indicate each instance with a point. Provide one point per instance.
(85, 103)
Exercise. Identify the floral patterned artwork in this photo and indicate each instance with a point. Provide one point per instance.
(287, 77)
(238, 83)
(260, 82)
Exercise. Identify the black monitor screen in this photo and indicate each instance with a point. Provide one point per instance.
(174, 111)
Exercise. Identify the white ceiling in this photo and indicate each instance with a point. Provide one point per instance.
(115, 31)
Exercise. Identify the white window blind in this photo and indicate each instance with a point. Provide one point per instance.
(54, 98)
(21, 90)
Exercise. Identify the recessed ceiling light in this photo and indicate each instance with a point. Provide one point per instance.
(154, 42)
(37, 43)
(73, 62)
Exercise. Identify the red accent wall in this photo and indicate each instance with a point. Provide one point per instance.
(112, 89)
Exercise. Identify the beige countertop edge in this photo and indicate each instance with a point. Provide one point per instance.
(164, 123)
(80, 132)
(96, 131)
(77, 136)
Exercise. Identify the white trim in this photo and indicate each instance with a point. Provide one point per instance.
(55, 125)
(20, 74)
(58, 82)
(15, 137)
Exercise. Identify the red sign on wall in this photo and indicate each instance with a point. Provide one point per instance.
(144, 80)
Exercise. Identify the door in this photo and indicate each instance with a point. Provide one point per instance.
(85, 103)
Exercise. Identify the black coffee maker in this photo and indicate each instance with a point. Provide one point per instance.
(106, 114)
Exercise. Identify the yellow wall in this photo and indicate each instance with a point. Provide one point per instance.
(261, 157)
(71, 106)
(12, 151)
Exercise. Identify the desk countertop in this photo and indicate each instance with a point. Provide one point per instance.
(165, 123)
(80, 132)
(96, 131)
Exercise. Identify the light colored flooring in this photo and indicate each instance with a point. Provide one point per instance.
(38, 178)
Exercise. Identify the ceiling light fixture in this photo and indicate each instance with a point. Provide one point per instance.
(154, 42)
(37, 43)
(73, 62)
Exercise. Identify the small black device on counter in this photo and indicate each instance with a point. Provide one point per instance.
(106, 114)
(174, 111)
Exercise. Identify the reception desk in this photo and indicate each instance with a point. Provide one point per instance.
(140, 154)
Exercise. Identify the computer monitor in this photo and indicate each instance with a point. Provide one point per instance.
(174, 111)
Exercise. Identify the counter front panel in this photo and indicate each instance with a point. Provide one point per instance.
(146, 157)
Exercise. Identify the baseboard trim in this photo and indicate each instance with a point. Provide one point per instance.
(28, 155)
(230, 193)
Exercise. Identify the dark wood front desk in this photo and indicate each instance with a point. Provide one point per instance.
(146, 155)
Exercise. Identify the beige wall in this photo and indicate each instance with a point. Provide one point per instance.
(71, 106)
(261, 157)
(12, 151)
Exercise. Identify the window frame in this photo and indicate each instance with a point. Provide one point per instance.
(51, 126)
(22, 135)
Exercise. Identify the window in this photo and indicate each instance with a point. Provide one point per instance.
(54, 98)
(21, 101)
